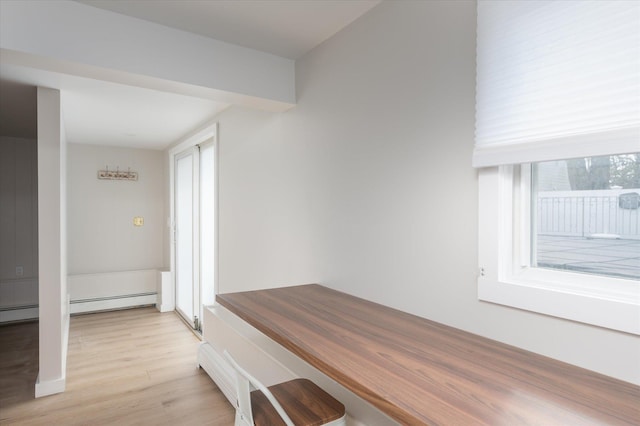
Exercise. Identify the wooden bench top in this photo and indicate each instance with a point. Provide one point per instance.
(421, 372)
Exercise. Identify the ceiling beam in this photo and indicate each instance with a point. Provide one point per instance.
(72, 38)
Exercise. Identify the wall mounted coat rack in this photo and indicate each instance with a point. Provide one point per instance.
(117, 174)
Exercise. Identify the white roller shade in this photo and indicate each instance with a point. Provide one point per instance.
(556, 79)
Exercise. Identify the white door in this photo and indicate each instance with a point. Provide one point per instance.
(194, 219)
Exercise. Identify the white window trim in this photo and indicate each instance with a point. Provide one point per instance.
(506, 278)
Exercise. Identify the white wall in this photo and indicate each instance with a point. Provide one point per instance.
(367, 185)
(266, 233)
(102, 237)
(52, 238)
(18, 222)
(109, 256)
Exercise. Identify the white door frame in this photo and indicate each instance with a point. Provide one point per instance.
(208, 287)
(207, 133)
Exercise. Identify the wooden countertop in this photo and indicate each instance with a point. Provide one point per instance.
(421, 372)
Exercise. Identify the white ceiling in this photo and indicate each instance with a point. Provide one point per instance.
(104, 113)
(101, 113)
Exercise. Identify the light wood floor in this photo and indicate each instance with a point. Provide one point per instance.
(127, 367)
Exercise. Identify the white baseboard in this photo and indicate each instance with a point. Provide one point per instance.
(49, 387)
(109, 303)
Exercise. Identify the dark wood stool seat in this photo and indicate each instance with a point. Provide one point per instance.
(305, 402)
(298, 402)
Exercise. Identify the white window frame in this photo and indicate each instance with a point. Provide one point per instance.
(507, 278)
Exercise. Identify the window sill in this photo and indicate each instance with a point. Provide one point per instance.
(618, 309)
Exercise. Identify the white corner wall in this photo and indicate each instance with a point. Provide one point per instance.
(52, 231)
(367, 185)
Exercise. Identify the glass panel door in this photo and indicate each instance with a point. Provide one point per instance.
(184, 232)
(195, 224)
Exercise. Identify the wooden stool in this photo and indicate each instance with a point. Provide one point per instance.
(298, 402)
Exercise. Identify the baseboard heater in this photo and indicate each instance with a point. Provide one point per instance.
(112, 302)
(18, 313)
(29, 312)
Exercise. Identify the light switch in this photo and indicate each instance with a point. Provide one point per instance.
(19, 271)
(138, 221)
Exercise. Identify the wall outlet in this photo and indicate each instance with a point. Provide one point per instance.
(19, 271)
(138, 221)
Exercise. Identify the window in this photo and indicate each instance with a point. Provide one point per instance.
(510, 271)
(557, 135)
(586, 215)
